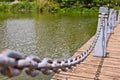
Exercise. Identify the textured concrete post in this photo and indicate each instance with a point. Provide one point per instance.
(114, 18)
(110, 22)
(119, 17)
(100, 48)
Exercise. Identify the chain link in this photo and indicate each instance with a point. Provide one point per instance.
(12, 63)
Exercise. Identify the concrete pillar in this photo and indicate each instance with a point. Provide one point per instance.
(114, 18)
(110, 22)
(119, 17)
(100, 47)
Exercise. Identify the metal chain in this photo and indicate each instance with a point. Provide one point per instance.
(12, 63)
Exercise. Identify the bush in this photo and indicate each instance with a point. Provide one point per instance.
(22, 6)
(116, 7)
(94, 9)
(26, 6)
(3, 7)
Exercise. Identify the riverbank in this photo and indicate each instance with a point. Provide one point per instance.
(55, 6)
(34, 7)
(18, 7)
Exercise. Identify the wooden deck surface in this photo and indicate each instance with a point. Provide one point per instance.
(96, 68)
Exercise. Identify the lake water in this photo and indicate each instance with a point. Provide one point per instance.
(45, 35)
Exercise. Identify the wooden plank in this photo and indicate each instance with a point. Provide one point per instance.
(69, 77)
(103, 77)
(110, 72)
(77, 74)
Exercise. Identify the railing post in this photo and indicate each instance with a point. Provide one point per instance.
(114, 18)
(119, 17)
(110, 22)
(100, 47)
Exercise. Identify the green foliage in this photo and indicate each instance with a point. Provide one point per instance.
(87, 1)
(94, 9)
(22, 6)
(117, 7)
(3, 6)
(57, 6)
(27, 0)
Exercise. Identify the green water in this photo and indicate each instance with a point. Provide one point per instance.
(54, 36)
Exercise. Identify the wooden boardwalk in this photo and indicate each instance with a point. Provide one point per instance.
(96, 68)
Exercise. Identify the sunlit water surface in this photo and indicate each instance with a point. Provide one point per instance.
(45, 35)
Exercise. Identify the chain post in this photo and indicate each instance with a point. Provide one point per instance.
(100, 47)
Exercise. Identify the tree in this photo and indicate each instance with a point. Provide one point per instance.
(87, 2)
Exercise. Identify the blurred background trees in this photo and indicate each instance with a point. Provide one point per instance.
(56, 5)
